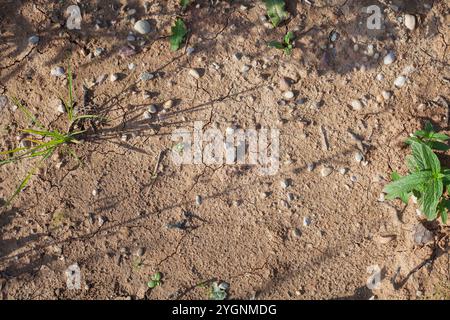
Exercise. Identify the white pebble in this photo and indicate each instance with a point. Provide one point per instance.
(356, 105)
(326, 171)
(114, 77)
(386, 94)
(359, 157)
(245, 68)
(389, 58)
(288, 95)
(142, 26)
(410, 21)
(194, 73)
(168, 104)
(400, 81)
(57, 72)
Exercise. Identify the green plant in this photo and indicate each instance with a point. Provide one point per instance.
(42, 143)
(427, 180)
(286, 45)
(184, 4)
(275, 11)
(179, 32)
(218, 291)
(155, 280)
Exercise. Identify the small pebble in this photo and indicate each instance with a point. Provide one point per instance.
(142, 26)
(386, 94)
(306, 221)
(101, 79)
(3, 101)
(245, 68)
(147, 115)
(60, 106)
(343, 171)
(410, 21)
(168, 104)
(359, 157)
(288, 95)
(296, 232)
(152, 108)
(380, 77)
(114, 77)
(356, 105)
(194, 73)
(131, 66)
(284, 183)
(353, 179)
(57, 72)
(94, 192)
(98, 52)
(33, 40)
(400, 81)
(190, 51)
(326, 171)
(389, 58)
(310, 167)
(131, 38)
(198, 200)
(146, 76)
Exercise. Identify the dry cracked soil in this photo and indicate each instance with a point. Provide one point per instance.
(316, 229)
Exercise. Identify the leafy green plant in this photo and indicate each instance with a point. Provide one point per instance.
(42, 143)
(184, 4)
(155, 280)
(179, 32)
(427, 180)
(286, 45)
(276, 11)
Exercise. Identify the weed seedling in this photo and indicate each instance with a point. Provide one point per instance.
(155, 280)
(179, 32)
(184, 4)
(218, 291)
(42, 143)
(427, 180)
(286, 45)
(275, 11)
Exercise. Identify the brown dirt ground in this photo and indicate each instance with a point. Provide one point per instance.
(235, 235)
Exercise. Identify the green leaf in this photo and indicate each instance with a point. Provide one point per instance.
(429, 127)
(275, 11)
(439, 136)
(288, 37)
(430, 200)
(404, 196)
(156, 276)
(152, 284)
(275, 44)
(184, 4)
(406, 184)
(437, 145)
(411, 164)
(179, 32)
(425, 157)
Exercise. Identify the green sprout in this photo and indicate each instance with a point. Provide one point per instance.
(179, 32)
(275, 11)
(155, 280)
(286, 45)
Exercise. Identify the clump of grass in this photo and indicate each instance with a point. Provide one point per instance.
(286, 45)
(43, 142)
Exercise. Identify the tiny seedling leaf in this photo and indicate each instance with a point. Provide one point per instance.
(179, 32)
(184, 4)
(276, 44)
(275, 11)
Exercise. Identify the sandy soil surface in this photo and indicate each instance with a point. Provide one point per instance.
(129, 211)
